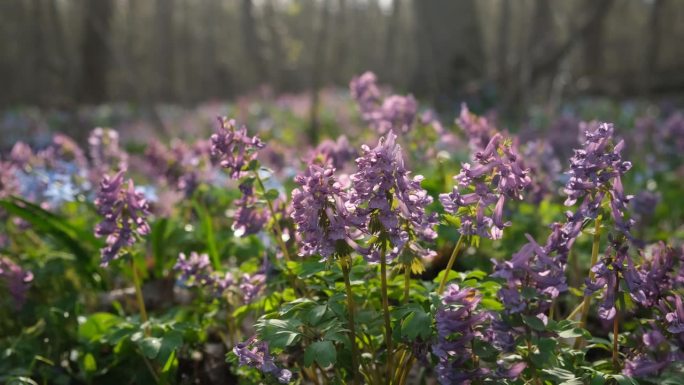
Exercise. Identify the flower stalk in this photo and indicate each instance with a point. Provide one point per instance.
(345, 264)
(450, 264)
(139, 295)
(386, 313)
(594, 259)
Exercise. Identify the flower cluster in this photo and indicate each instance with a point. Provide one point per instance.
(256, 354)
(615, 265)
(250, 216)
(661, 343)
(385, 201)
(656, 275)
(531, 268)
(477, 128)
(125, 213)
(320, 214)
(233, 147)
(8, 180)
(460, 325)
(596, 170)
(337, 153)
(196, 271)
(544, 166)
(16, 279)
(105, 153)
(497, 174)
(181, 166)
(394, 113)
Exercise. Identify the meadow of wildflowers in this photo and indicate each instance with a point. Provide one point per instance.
(411, 250)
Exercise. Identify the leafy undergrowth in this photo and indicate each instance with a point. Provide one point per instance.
(436, 252)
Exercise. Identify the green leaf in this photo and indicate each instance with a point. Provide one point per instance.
(534, 323)
(271, 195)
(89, 364)
(624, 380)
(56, 227)
(491, 304)
(97, 325)
(171, 341)
(574, 333)
(598, 379)
(417, 323)
(208, 230)
(150, 346)
(317, 313)
(323, 352)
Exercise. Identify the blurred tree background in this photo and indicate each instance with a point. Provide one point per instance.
(505, 53)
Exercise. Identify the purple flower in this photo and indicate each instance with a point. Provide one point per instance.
(319, 213)
(675, 318)
(645, 203)
(365, 91)
(21, 155)
(183, 167)
(531, 268)
(385, 201)
(16, 279)
(395, 113)
(256, 354)
(233, 147)
(656, 275)
(595, 166)
(477, 128)
(125, 214)
(105, 153)
(251, 285)
(337, 153)
(479, 196)
(195, 270)
(460, 324)
(642, 366)
(250, 216)
(614, 266)
(9, 185)
(544, 166)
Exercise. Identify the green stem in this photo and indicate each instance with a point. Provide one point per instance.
(386, 314)
(407, 370)
(452, 259)
(345, 265)
(594, 258)
(276, 225)
(407, 282)
(139, 295)
(616, 326)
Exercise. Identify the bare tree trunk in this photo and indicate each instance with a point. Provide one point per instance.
(38, 53)
(342, 44)
(550, 61)
(251, 41)
(95, 51)
(503, 41)
(188, 48)
(277, 52)
(165, 79)
(317, 72)
(61, 53)
(447, 63)
(390, 41)
(654, 35)
(593, 49)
